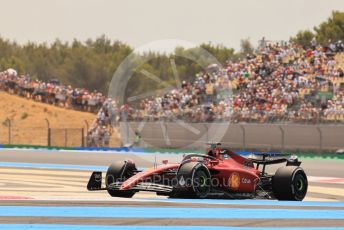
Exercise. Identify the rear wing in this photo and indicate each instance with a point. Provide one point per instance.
(273, 158)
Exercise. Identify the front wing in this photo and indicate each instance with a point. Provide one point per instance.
(95, 183)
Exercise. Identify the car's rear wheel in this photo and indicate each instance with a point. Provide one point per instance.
(193, 181)
(119, 172)
(290, 183)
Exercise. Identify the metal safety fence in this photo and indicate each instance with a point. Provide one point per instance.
(12, 133)
(243, 136)
(66, 137)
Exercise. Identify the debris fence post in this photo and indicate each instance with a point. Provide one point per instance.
(48, 133)
(207, 133)
(243, 137)
(87, 129)
(282, 137)
(9, 130)
(82, 137)
(320, 139)
(66, 138)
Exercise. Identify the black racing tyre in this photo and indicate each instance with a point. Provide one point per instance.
(290, 183)
(193, 181)
(120, 171)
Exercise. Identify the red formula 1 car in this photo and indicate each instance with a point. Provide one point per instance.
(220, 173)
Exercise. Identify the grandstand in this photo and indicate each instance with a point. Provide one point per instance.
(281, 82)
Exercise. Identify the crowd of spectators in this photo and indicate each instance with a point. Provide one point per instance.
(102, 128)
(51, 92)
(281, 82)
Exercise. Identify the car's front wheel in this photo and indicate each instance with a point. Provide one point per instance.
(119, 172)
(193, 180)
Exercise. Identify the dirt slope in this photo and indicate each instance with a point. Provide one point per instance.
(28, 119)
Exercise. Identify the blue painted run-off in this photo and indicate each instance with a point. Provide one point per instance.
(100, 227)
(252, 202)
(54, 166)
(109, 149)
(120, 149)
(138, 212)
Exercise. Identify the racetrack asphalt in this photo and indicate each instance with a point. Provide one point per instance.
(62, 199)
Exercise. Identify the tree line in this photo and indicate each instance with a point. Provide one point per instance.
(331, 30)
(91, 64)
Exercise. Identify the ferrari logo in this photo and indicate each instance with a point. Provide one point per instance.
(234, 181)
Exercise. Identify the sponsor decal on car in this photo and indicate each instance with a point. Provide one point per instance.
(234, 181)
(246, 180)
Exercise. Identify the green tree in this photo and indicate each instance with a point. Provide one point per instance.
(246, 47)
(303, 38)
(332, 29)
